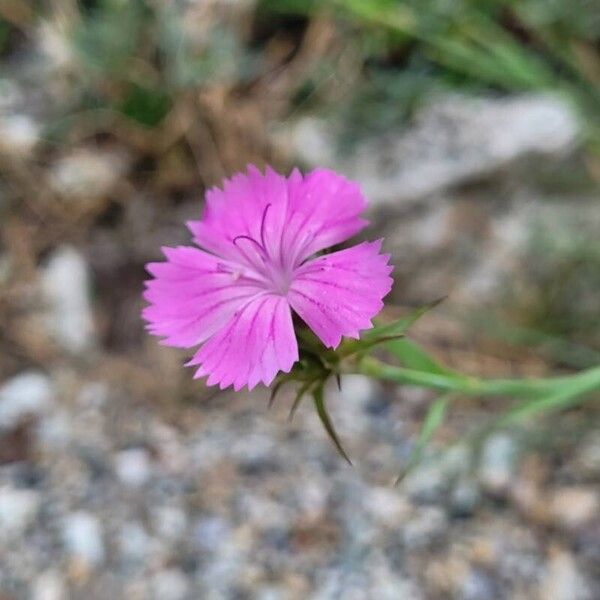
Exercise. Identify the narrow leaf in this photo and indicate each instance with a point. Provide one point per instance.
(566, 396)
(433, 419)
(412, 356)
(304, 388)
(275, 390)
(399, 326)
(326, 421)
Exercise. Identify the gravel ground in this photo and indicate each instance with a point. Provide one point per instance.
(108, 496)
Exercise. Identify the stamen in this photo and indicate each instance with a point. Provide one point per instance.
(262, 226)
(250, 239)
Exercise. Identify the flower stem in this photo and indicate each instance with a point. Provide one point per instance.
(583, 382)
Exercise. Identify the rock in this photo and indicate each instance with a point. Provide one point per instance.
(28, 394)
(49, 586)
(563, 579)
(427, 482)
(55, 430)
(497, 463)
(426, 527)
(357, 390)
(170, 521)
(479, 585)
(88, 176)
(573, 507)
(171, 584)
(18, 510)
(588, 457)
(210, 533)
(387, 506)
(351, 410)
(454, 139)
(430, 480)
(19, 135)
(82, 536)
(134, 542)
(465, 497)
(133, 467)
(66, 283)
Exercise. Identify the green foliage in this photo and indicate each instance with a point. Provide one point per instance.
(507, 45)
(433, 419)
(5, 30)
(533, 397)
(107, 38)
(187, 65)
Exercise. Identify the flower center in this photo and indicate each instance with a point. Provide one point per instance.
(274, 275)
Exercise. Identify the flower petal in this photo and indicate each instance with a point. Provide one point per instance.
(193, 295)
(260, 216)
(324, 209)
(240, 210)
(256, 344)
(338, 294)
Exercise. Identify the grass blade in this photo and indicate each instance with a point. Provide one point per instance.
(433, 419)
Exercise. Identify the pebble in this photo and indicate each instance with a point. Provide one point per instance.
(170, 584)
(574, 507)
(133, 467)
(588, 457)
(50, 585)
(134, 542)
(479, 585)
(351, 408)
(563, 579)
(82, 536)
(427, 482)
(428, 525)
(66, 283)
(465, 497)
(29, 394)
(18, 510)
(387, 506)
(497, 463)
(210, 533)
(87, 175)
(19, 135)
(170, 521)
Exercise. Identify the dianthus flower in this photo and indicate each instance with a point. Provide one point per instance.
(257, 260)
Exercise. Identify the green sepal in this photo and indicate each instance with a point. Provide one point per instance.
(319, 400)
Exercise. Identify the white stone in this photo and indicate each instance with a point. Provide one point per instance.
(563, 580)
(357, 390)
(575, 506)
(18, 510)
(19, 135)
(49, 586)
(387, 506)
(82, 536)
(170, 585)
(453, 140)
(170, 521)
(87, 175)
(28, 394)
(134, 542)
(133, 466)
(55, 430)
(498, 462)
(66, 283)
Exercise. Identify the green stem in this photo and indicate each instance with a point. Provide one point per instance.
(585, 381)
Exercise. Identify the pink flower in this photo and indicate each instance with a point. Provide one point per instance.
(257, 261)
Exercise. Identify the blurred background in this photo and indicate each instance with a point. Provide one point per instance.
(474, 129)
